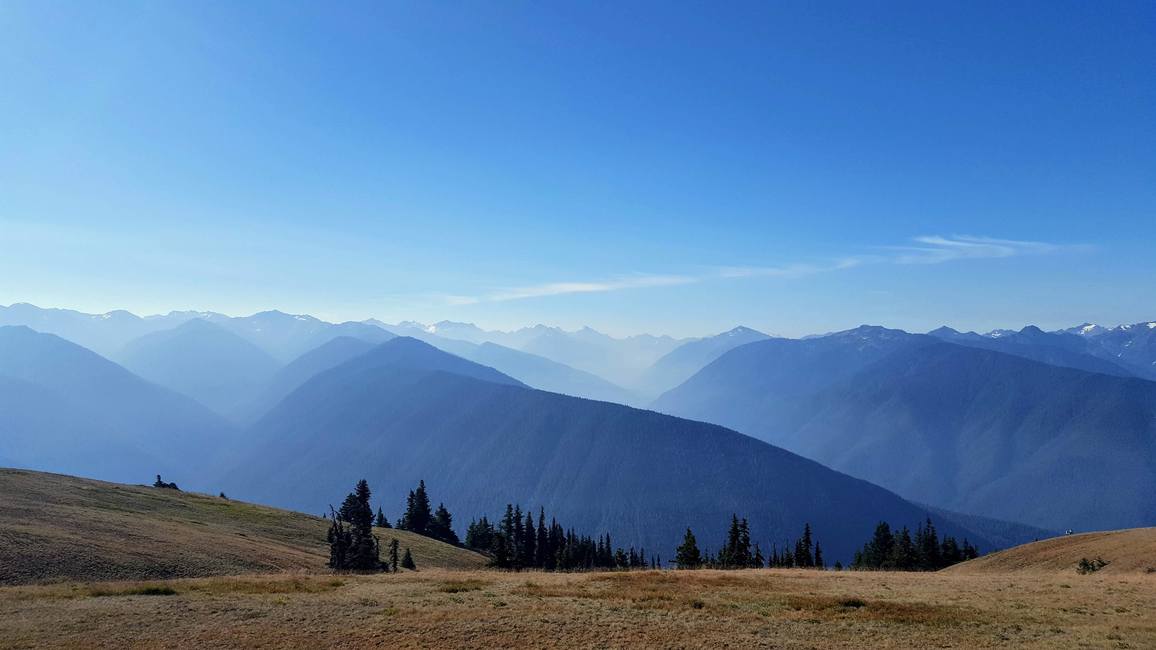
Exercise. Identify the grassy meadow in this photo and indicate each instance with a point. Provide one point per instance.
(442, 608)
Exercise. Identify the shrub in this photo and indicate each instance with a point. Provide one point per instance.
(1087, 566)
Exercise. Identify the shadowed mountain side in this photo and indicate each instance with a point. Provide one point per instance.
(681, 363)
(65, 408)
(533, 370)
(639, 475)
(542, 373)
(329, 355)
(1056, 349)
(748, 387)
(964, 428)
(985, 432)
(202, 360)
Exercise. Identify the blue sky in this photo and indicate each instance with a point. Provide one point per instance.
(672, 167)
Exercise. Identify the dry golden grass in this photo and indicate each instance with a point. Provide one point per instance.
(1126, 551)
(55, 527)
(694, 609)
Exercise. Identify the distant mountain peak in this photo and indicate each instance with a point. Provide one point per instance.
(944, 330)
(742, 330)
(874, 332)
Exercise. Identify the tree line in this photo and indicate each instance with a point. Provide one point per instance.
(516, 541)
(897, 550)
(737, 552)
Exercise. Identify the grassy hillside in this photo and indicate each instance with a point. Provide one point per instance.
(55, 528)
(1126, 551)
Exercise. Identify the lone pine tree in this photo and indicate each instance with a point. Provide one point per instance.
(393, 555)
(688, 556)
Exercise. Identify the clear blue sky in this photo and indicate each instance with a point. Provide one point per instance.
(667, 167)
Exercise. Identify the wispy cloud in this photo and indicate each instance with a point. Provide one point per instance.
(935, 249)
(788, 271)
(562, 288)
(927, 249)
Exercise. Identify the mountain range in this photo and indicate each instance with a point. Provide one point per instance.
(943, 423)
(202, 360)
(406, 411)
(66, 408)
(963, 427)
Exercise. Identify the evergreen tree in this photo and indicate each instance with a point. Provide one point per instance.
(417, 515)
(529, 541)
(381, 521)
(364, 553)
(687, 556)
(903, 552)
(517, 538)
(744, 549)
(542, 550)
(877, 554)
(441, 527)
(393, 554)
(969, 552)
(501, 551)
(819, 557)
(736, 553)
(352, 545)
(480, 535)
(339, 543)
(930, 558)
(803, 556)
(896, 550)
(950, 552)
(407, 561)
(348, 507)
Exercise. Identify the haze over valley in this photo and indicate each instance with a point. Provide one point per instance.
(640, 324)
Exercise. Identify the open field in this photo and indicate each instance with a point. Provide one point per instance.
(1126, 551)
(55, 528)
(210, 572)
(440, 608)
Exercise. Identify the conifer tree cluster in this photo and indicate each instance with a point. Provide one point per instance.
(516, 542)
(737, 552)
(352, 544)
(421, 519)
(897, 550)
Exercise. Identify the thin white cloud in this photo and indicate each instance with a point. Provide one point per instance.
(563, 288)
(927, 249)
(935, 249)
(790, 270)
